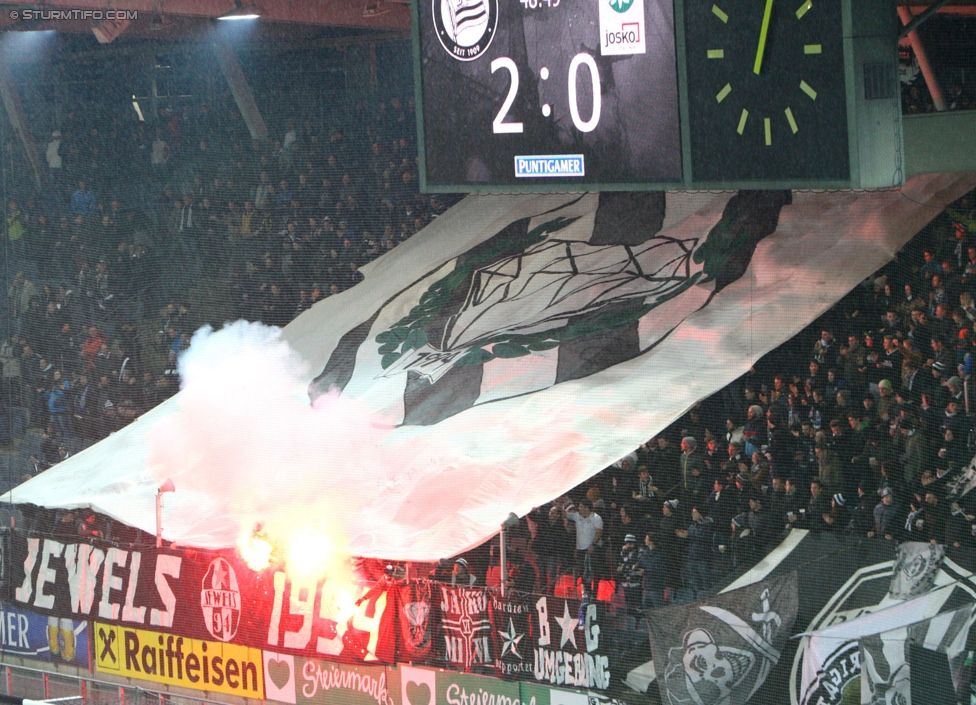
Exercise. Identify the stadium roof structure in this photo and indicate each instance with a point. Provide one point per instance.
(178, 18)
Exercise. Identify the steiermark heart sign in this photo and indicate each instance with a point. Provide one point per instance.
(279, 672)
(418, 693)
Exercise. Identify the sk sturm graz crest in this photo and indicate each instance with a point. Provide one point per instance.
(886, 661)
(915, 570)
(831, 673)
(465, 28)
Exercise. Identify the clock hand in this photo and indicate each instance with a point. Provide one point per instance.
(762, 37)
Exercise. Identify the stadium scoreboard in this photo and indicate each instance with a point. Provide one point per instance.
(571, 95)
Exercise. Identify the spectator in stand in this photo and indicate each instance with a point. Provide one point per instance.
(721, 508)
(754, 433)
(443, 572)
(754, 533)
(664, 464)
(668, 530)
(91, 347)
(83, 201)
(692, 482)
(839, 517)
(20, 295)
(589, 535)
(817, 508)
(628, 573)
(57, 405)
(696, 573)
(552, 543)
(653, 570)
(823, 349)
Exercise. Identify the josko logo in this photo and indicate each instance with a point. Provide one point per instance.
(220, 599)
(622, 27)
(465, 28)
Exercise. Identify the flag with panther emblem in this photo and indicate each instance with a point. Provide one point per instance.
(414, 606)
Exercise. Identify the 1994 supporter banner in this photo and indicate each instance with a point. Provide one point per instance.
(207, 597)
(248, 634)
(210, 602)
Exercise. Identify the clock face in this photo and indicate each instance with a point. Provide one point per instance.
(766, 90)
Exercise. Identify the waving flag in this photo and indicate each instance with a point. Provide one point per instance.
(512, 349)
(886, 662)
(720, 651)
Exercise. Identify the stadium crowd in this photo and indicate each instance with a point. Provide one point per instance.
(950, 58)
(102, 261)
(862, 424)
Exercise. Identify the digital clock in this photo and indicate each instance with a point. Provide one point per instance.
(533, 4)
(564, 94)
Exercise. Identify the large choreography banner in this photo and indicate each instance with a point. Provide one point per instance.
(525, 342)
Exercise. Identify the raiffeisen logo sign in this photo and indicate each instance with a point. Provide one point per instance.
(179, 661)
(622, 27)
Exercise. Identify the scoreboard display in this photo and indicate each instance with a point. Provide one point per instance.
(570, 95)
(549, 91)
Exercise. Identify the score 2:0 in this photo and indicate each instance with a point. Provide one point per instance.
(500, 126)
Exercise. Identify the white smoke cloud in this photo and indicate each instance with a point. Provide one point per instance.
(246, 437)
(250, 448)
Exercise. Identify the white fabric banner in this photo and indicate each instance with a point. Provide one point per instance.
(885, 663)
(510, 350)
(827, 653)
